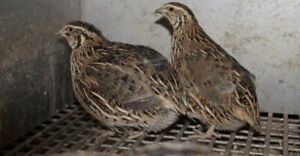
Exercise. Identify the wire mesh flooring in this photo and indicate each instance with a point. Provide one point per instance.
(74, 129)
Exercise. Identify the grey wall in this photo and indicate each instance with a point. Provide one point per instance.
(34, 64)
(263, 35)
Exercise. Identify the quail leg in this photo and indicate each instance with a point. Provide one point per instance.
(201, 135)
(135, 134)
(104, 133)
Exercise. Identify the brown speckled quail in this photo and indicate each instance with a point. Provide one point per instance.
(122, 85)
(228, 87)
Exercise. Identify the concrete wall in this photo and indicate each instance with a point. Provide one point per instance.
(263, 35)
(34, 63)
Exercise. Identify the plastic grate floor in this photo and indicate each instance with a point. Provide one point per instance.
(74, 129)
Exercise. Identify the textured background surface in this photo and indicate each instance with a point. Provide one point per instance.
(34, 64)
(263, 35)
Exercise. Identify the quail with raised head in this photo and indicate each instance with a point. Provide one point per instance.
(228, 88)
(122, 85)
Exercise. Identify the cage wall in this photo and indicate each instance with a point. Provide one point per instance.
(34, 64)
(264, 36)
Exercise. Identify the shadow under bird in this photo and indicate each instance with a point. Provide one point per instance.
(228, 88)
(174, 149)
(122, 85)
(157, 149)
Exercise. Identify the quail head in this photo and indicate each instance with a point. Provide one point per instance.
(227, 87)
(122, 85)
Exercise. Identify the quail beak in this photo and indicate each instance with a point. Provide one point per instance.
(61, 32)
(159, 11)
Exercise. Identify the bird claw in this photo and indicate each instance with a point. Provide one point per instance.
(104, 132)
(217, 135)
(119, 131)
(202, 135)
(134, 135)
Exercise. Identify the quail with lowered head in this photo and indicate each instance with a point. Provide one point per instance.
(122, 85)
(228, 87)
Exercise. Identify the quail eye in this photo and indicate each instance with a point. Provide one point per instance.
(171, 9)
(70, 29)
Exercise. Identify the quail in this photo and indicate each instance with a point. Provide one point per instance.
(122, 85)
(227, 87)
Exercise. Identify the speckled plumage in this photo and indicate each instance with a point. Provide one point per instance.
(122, 85)
(227, 93)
